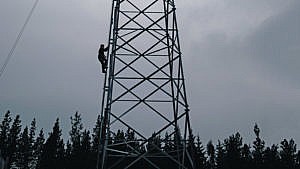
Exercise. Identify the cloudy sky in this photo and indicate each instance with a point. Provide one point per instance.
(241, 61)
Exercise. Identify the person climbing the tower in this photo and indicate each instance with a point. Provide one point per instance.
(102, 58)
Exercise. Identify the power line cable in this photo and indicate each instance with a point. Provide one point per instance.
(11, 52)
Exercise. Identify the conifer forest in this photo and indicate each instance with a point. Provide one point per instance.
(24, 147)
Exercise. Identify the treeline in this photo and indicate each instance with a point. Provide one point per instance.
(26, 148)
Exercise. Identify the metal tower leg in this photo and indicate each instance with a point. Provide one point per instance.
(145, 114)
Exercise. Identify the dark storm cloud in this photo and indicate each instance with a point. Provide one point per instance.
(230, 83)
(276, 46)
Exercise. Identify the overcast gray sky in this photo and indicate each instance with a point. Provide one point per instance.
(241, 61)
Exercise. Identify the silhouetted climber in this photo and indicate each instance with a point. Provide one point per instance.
(102, 57)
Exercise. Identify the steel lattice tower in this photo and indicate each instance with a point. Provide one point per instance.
(144, 90)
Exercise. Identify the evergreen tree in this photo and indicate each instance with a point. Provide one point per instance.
(51, 153)
(271, 157)
(76, 132)
(24, 151)
(191, 148)
(119, 139)
(4, 134)
(177, 139)
(200, 159)
(154, 144)
(96, 135)
(211, 155)
(288, 154)
(38, 149)
(86, 151)
(258, 153)
(68, 155)
(75, 137)
(13, 138)
(31, 143)
(132, 143)
(246, 157)
(220, 156)
(96, 141)
(61, 154)
(233, 147)
(168, 145)
(298, 160)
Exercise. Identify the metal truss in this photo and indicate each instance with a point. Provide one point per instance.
(144, 89)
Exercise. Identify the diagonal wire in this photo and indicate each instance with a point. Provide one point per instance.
(11, 52)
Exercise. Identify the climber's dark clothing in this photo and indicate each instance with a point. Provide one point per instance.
(102, 58)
